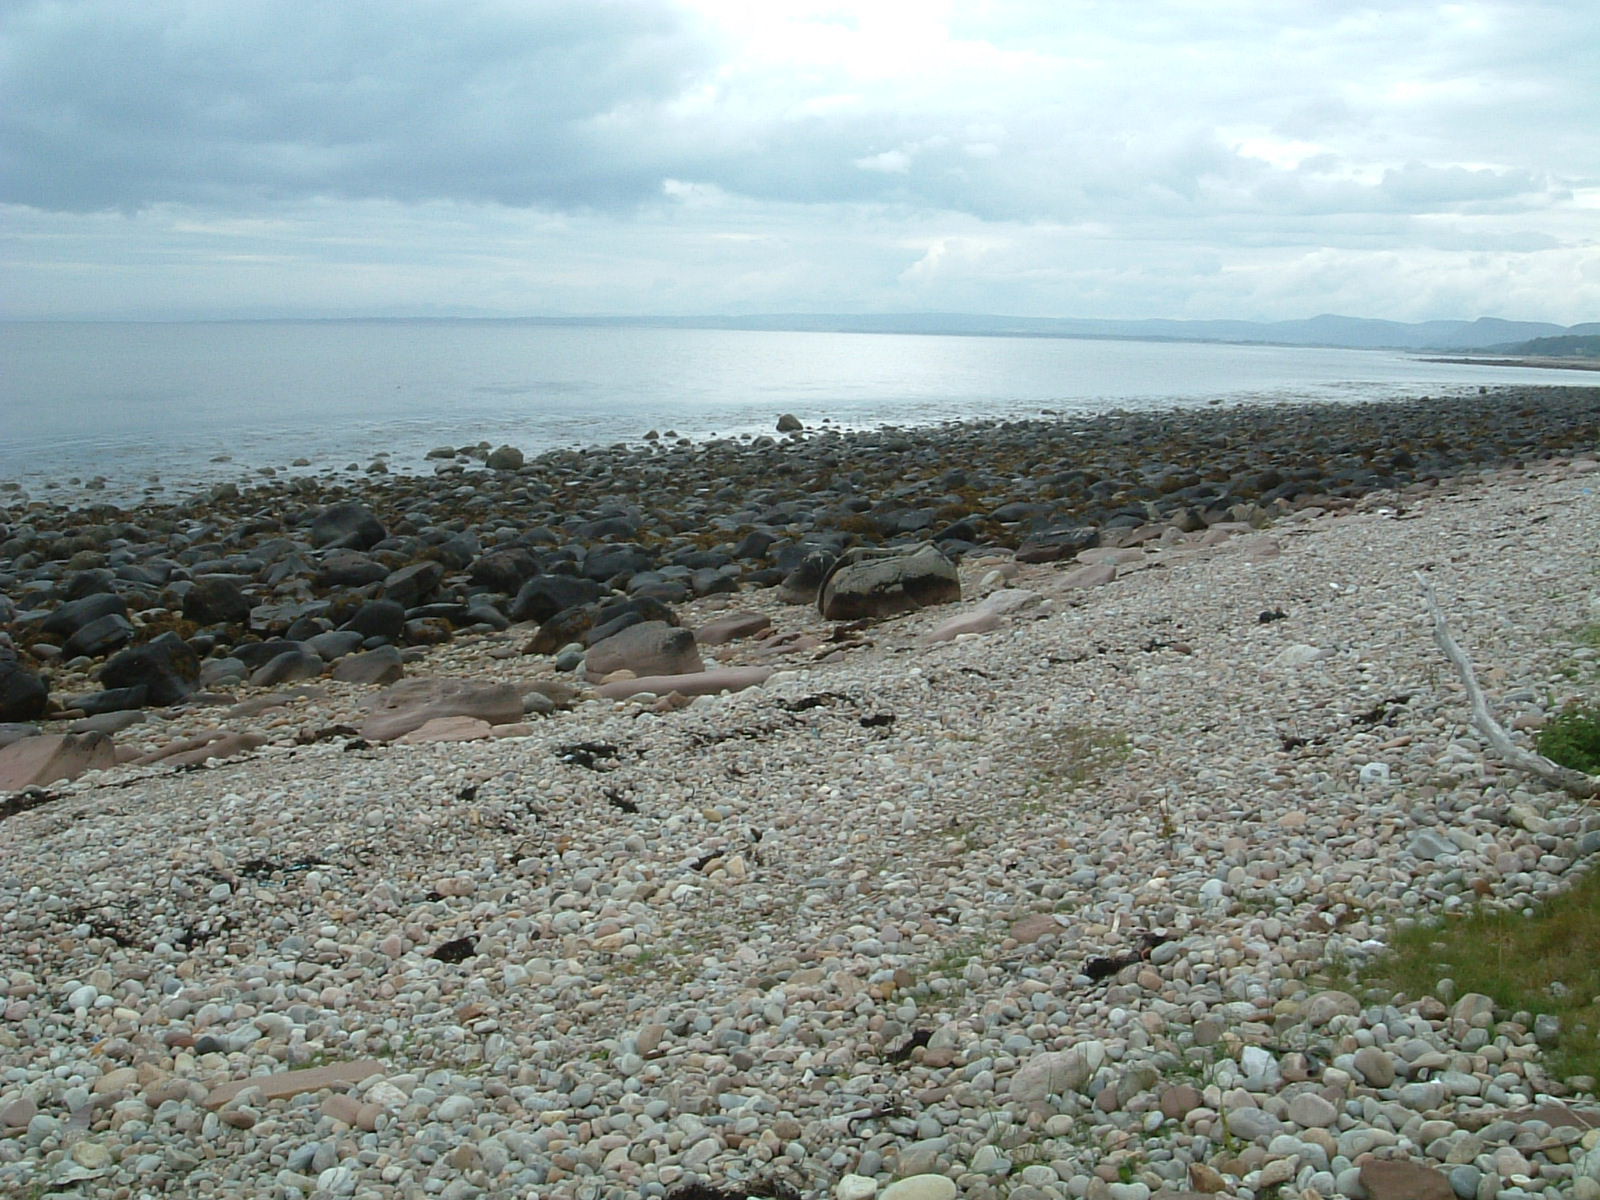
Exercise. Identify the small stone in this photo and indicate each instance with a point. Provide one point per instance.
(1311, 1111)
(921, 1187)
(855, 1187)
(1401, 1180)
(1375, 1066)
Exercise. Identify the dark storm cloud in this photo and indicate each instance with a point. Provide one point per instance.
(118, 105)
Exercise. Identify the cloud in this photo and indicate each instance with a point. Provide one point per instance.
(630, 155)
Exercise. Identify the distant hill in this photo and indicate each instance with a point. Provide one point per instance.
(1582, 345)
(1485, 333)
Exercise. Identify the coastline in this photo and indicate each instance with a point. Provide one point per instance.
(1559, 364)
(843, 923)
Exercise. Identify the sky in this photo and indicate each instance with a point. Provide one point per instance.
(1254, 159)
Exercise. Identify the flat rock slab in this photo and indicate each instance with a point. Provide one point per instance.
(698, 683)
(980, 621)
(293, 1083)
(412, 703)
(1092, 575)
(52, 757)
(732, 626)
(1400, 1180)
(447, 729)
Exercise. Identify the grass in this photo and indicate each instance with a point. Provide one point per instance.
(1071, 757)
(1540, 964)
(1572, 738)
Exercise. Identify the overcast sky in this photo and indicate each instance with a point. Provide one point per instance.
(1261, 159)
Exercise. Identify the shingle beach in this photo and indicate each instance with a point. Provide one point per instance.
(1047, 892)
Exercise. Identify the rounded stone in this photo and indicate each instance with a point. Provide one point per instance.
(921, 1187)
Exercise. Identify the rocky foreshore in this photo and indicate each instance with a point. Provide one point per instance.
(527, 829)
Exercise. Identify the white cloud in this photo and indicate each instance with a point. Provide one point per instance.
(1043, 156)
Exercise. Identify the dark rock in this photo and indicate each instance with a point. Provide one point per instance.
(166, 666)
(561, 629)
(543, 596)
(75, 614)
(1053, 545)
(23, 694)
(789, 423)
(94, 582)
(255, 655)
(378, 618)
(411, 586)
(605, 563)
(350, 525)
(426, 631)
(504, 458)
(504, 570)
(276, 618)
(288, 668)
(115, 700)
(802, 584)
(349, 568)
(303, 629)
(876, 583)
(216, 600)
(481, 612)
(709, 582)
(100, 636)
(336, 643)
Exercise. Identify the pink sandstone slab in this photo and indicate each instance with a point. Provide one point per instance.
(284, 1084)
(53, 757)
(699, 683)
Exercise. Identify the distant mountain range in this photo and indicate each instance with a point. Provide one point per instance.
(1484, 334)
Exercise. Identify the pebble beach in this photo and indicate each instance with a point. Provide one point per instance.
(1051, 891)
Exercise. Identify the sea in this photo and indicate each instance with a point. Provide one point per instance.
(133, 411)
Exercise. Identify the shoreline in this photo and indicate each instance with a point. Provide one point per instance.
(841, 924)
(1558, 364)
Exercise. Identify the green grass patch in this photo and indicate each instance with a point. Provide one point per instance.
(1545, 963)
(1572, 738)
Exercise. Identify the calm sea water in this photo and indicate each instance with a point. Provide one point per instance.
(149, 406)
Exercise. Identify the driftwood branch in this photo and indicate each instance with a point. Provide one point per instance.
(1483, 719)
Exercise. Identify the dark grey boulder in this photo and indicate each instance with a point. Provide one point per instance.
(350, 525)
(880, 583)
(24, 695)
(100, 636)
(75, 614)
(561, 629)
(349, 568)
(256, 654)
(801, 585)
(378, 618)
(605, 563)
(1053, 545)
(93, 582)
(412, 585)
(504, 570)
(504, 458)
(336, 643)
(216, 600)
(114, 700)
(165, 665)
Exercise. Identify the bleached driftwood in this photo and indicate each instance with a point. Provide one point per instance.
(1483, 719)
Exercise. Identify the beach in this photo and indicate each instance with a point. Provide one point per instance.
(1047, 891)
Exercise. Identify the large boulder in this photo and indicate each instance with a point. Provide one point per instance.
(543, 596)
(504, 458)
(165, 665)
(350, 568)
(23, 694)
(378, 618)
(347, 526)
(100, 636)
(75, 614)
(880, 583)
(1053, 545)
(801, 585)
(411, 586)
(412, 703)
(216, 600)
(53, 757)
(648, 648)
(505, 569)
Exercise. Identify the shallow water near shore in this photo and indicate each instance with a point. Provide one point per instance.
(151, 406)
